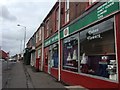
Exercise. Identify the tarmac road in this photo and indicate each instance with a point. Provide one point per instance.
(5, 69)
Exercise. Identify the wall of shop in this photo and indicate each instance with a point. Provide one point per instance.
(96, 69)
(54, 72)
(45, 66)
(77, 9)
(71, 78)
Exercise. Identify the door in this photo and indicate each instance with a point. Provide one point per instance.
(49, 60)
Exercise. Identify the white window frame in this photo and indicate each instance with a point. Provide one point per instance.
(36, 37)
(67, 4)
(40, 32)
(47, 28)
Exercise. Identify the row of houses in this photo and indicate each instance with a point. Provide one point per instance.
(78, 43)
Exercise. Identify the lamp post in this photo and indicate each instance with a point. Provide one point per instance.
(24, 34)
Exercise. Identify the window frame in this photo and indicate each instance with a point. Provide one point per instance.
(67, 11)
(40, 34)
(37, 37)
(76, 36)
(47, 28)
(100, 77)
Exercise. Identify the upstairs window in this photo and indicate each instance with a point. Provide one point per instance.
(57, 18)
(66, 11)
(40, 34)
(47, 28)
(37, 37)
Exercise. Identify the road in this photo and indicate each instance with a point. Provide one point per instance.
(5, 68)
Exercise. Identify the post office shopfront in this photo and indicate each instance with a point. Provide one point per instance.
(51, 56)
(91, 55)
(92, 52)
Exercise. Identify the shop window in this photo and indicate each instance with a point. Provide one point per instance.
(70, 53)
(53, 55)
(97, 50)
(66, 11)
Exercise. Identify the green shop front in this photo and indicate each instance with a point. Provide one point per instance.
(91, 48)
(51, 56)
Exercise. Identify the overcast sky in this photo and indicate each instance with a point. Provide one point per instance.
(29, 13)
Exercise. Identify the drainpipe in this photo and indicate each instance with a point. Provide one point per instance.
(59, 39)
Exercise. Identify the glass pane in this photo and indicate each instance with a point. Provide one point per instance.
(97, 50)
(55, 56)
(70, 53)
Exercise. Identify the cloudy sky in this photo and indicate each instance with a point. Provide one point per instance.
(29, 13)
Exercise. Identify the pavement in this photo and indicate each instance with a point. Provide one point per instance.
(23, 76)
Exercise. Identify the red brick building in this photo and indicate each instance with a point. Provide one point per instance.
(85, 49)
(3, 54)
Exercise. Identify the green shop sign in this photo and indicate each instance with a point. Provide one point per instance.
(100, 12)
(51, 40)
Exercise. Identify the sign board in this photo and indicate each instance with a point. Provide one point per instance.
(100, 12)
(51, 40)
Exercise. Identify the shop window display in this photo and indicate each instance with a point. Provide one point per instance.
(55, 56)
(97, 50)
(70, 53)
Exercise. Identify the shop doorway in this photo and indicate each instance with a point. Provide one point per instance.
(49, 60)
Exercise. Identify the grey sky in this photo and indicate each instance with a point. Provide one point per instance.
(29, 13)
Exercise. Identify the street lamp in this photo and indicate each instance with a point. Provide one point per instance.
(24, 34)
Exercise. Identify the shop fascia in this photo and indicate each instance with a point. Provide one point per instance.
(51, 40)
(98, 14)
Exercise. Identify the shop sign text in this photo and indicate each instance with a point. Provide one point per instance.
(51, 40)
(103, 9)
(91, 34)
